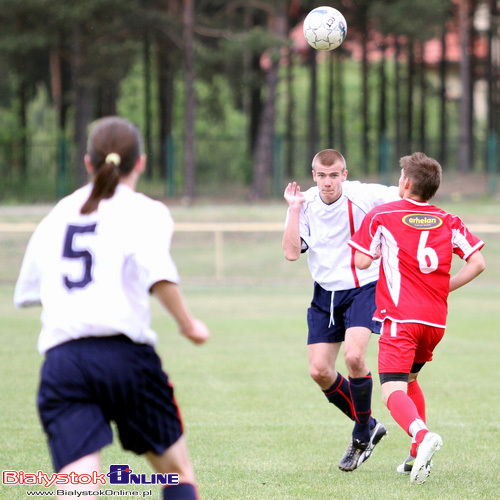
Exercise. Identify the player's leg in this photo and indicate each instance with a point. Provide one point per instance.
(175, 460)
(355, 346)
(415, 392)
(322, 358)
(397, 346)
(360, 379)
(76, 427)
(326, 333)
(401, 352)
(416, 395)
(425, 443)
(358, 320)
(357, 317)
(84, 465)
(149, 421)
(367, 431)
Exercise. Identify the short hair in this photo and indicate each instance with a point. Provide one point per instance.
(328, 157)
(114, 146)
(424, 173)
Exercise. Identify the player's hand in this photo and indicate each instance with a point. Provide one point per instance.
(293, 195)
(197, 333)
(378, 253)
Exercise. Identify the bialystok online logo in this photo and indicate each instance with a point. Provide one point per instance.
(118, 474)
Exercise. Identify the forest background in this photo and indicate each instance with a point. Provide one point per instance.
(232, 102)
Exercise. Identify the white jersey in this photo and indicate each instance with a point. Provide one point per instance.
(92, 273)
(326, 229)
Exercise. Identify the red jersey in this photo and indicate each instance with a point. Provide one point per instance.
(417, 241)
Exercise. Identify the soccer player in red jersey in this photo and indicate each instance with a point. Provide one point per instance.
(416, 242)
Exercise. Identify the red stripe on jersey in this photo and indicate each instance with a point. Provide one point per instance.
(353, 251)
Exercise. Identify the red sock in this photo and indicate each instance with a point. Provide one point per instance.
(418, 439)
(417, 396)
(403, 410)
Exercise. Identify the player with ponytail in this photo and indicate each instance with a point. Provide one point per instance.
(114, 147)
(92, 263)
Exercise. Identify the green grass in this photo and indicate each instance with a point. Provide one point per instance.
(257, 426)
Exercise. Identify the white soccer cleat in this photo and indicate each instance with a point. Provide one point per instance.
(406, 467)
(420, 471)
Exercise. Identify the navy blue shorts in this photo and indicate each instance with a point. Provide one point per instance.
(87, 383)
(350, 308)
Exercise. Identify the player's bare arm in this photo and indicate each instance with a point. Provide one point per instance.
(171, 298)
(362, 261)
(474, 266)
(292, 244)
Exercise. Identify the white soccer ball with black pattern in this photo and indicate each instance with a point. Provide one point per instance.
(325, 28)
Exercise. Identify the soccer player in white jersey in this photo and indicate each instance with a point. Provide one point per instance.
(92, 263)
(416, 242)
(320, 222)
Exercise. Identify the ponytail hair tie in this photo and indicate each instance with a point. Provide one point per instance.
(113, 158)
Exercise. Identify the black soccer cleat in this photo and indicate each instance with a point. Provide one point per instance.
(353, 455)
(357, 451)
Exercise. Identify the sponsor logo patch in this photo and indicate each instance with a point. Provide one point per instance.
(422, 221)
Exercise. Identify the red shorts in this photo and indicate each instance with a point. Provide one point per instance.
(402, 344)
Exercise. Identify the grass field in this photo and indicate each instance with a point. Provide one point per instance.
(257, 426)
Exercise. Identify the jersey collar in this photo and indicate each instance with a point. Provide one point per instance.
(418, 203)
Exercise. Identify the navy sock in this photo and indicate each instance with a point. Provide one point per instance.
(339, 395)
(361, 395)
(183, 491)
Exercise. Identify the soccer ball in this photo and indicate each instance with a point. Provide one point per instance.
(325, 28)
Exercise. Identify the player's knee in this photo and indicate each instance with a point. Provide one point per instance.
(355, 362)
(321, 374)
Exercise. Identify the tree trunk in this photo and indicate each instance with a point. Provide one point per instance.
(166, 73)
(398, 110)
(330, 115)
(409, 103)
(290, 117)
(464, 147)
(107, 97)
(382, 125)
(82, 96)
(423, 100)
(23, 124)
(189, 154)
(148, 142)
(362, 22)
(312, 120)
(365, 101)
(495, 66)
(255, 106)
(266, 134)
(341, 104)
(60, 78)
(443, 121)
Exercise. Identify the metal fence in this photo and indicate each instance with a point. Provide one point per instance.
(44, 172)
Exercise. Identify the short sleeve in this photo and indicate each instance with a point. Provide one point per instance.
(464, 242)
(27, 290)
(152, 247)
